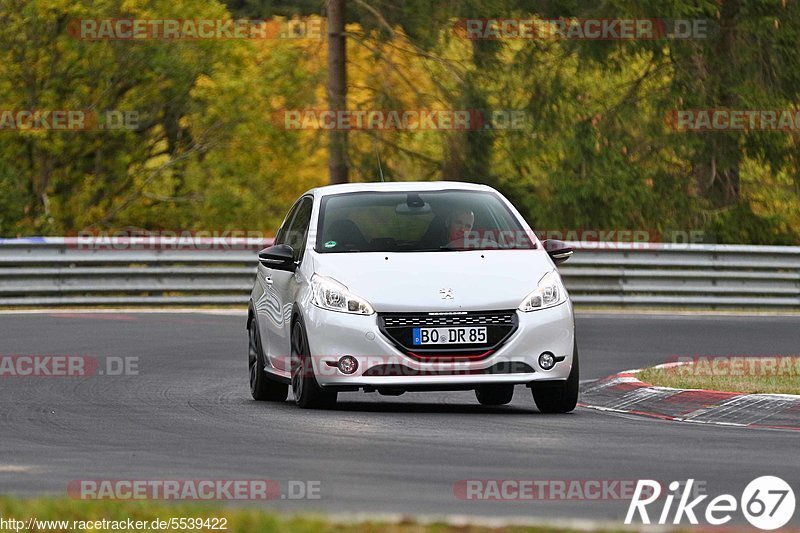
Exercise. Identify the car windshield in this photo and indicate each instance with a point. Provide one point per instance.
(418, 221)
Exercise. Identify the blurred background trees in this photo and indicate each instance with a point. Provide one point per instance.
(597, 151)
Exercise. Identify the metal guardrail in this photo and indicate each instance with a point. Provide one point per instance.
(57, 271)
(647, 274)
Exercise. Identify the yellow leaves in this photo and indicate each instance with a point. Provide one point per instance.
(770, 193)
(163, 9)
(205, 82)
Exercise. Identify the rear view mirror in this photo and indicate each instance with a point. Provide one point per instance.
(559, 251)
(414, 205)
(279, 257)
(405, 209)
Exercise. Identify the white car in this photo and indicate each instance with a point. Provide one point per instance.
(409, 286)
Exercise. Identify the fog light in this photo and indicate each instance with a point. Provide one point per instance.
(547, 361)
(347, 364)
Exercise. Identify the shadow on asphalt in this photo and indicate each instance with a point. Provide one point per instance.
(414, 407)
(383, 405)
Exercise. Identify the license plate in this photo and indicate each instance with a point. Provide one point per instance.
(460, 335)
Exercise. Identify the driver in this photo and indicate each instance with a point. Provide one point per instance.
(458, 224)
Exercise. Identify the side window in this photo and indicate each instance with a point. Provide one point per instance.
(280, 238)
(298, 230)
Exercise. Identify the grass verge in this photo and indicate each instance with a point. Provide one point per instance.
(82, 515)
(752, 375)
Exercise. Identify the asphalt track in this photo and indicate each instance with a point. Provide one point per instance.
(188, 415)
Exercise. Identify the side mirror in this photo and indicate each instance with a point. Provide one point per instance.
(559, 251)
(279, 257)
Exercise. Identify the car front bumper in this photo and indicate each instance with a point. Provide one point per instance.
(381, 364)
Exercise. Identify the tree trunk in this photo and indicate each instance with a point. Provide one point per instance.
(337, 90)
(725, 152)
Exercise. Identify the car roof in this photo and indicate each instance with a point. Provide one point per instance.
(397, 186)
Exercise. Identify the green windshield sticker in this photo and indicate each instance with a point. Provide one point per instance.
(330, 244)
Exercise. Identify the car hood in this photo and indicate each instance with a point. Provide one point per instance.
(407, 282)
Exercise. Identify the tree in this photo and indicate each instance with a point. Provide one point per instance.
(337, 89)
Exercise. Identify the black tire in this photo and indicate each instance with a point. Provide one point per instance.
(559, 397)
(307, 392)
(262, 387)
(494, 394)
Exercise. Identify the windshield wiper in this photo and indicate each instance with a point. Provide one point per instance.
(439, 249)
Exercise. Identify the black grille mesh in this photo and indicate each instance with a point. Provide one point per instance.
(495, 318)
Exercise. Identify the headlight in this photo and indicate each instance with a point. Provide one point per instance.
(332, 295)
(549, 293)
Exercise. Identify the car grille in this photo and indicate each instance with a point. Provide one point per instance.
(427, 320)
(398, 327)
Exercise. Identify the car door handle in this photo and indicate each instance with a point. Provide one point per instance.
(268, 280)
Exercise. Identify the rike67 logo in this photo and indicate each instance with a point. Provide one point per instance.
(767, 503)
